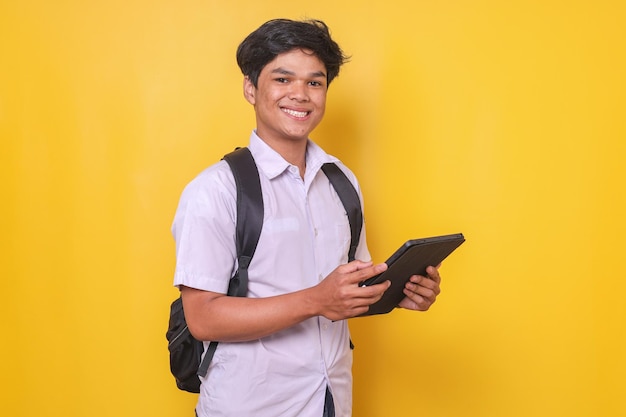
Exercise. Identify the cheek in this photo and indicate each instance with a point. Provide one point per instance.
(320, 101)
(321, 107)
(268, 98)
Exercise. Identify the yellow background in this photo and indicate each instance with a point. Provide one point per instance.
(503, 120)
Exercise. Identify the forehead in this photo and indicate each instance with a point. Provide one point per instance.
(296, 61)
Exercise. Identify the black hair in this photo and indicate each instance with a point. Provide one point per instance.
(278, 36)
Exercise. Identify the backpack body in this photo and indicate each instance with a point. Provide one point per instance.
(185, 350)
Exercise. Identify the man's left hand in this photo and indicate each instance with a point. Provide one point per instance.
(421, 292)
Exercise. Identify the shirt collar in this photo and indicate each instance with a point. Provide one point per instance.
(272, 164)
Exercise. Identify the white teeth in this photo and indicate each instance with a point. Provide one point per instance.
(295, 113)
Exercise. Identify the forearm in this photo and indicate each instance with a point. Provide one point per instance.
(217, 317)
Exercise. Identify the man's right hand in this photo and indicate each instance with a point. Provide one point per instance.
(339, 294)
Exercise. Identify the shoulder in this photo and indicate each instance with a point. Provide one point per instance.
(318, 157)
(214, 180)
(347, 171)
(212, 190)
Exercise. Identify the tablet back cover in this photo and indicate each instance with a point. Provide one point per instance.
(412, 258)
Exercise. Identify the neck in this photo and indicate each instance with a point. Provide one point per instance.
(295, 157)
(293, 152)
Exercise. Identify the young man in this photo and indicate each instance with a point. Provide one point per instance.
(285, 349)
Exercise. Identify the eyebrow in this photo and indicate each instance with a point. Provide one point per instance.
(283, 71)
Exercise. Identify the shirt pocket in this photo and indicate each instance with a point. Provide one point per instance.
(333, 242)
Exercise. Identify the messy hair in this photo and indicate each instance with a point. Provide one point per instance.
(283, 35)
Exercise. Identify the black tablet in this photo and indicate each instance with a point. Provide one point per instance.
(410, 259)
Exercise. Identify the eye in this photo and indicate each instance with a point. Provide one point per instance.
(281, 80)
(316, 83)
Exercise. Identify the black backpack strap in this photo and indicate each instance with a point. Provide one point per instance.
(206, 360)
(351, 203)
(248, 229)
(249, 215)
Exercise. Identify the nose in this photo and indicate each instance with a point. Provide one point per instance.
(298, 92)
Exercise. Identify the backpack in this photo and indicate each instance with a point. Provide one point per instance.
(186, 361)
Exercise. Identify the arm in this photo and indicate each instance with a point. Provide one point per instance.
(421, 292)
(214, 316)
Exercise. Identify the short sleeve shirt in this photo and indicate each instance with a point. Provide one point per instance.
(305, 236)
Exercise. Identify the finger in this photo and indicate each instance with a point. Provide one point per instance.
(362, 297)
(360, 275)
(427, 293)
(423, 286)
(376, 290)
(354, 266)
(367, 295)
(423, 281)
(415, 302)
(433, 273)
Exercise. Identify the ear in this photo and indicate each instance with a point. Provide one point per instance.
(249, 90)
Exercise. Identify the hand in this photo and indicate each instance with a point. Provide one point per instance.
(421, 292)
(339, 295)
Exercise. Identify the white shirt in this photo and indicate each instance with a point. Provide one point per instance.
(305, 236)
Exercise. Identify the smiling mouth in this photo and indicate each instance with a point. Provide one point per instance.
(295, 113)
